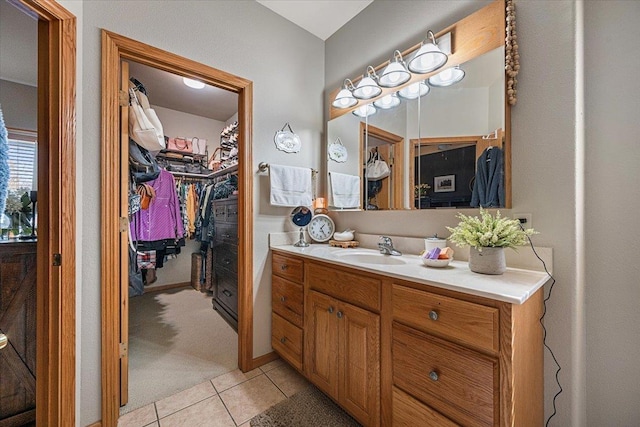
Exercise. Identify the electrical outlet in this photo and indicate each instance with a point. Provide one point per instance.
(524, 218)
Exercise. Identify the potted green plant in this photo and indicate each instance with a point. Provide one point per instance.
(487, 236)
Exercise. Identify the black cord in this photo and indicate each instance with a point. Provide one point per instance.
(544, 337)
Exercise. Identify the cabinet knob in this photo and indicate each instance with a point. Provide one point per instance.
(282, 299)
(284, 267)
(283, 340)
(330, 309)
(3, 341)
(339, 314)
(433, 375)
(227, 261)
(226, 236)
(227, 293)
(433, 315)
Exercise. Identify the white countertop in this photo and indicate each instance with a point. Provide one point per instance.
(514, 286)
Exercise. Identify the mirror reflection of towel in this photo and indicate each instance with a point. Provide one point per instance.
(290, 186)
(345, 190)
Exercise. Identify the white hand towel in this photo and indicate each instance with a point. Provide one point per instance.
(345, 190)
(290, 186)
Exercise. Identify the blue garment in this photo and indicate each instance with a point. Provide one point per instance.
(488, 188)
(4, 164)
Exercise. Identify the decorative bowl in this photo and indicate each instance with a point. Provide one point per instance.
(437, 263)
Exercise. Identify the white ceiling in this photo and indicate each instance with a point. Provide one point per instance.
(321, 18)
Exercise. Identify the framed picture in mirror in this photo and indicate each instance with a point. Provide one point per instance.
(444, 184)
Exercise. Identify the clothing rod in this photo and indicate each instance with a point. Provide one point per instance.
(263, 167)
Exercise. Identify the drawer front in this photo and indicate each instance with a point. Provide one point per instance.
(457, 382)
(287, 300)
(219, 212)
(226, 233)
(462, 321)
(227, 289)
(227, 257)
(231, 214)
(350, 287)
(289, 268)
(286, 340)
(408, 412)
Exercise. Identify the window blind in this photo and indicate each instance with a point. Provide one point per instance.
(22, 158)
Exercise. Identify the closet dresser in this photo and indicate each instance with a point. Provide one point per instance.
(401, 344)
(225, 253)
(18, 327)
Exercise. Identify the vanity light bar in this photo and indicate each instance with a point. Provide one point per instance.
(370, 84)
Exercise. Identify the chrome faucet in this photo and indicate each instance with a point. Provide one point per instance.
(386, 246)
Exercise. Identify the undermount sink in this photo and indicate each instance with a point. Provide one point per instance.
(370, 258)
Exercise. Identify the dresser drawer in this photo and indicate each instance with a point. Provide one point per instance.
(408, 410)
(287, 300)
(232, 212)
(349, 287)
(227, 292)
(219, 212)
(289, 268)
(462, 321)
(286, 340)
(227, 233)
(457, 382)
(227, 257)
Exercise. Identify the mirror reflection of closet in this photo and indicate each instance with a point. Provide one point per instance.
(206, 267)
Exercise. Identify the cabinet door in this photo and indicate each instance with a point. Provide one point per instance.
(359, 362)
(321, 338)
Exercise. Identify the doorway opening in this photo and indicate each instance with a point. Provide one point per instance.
(54, 261)
(115, 50)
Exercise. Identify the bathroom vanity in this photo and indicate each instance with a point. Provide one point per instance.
(396, 343)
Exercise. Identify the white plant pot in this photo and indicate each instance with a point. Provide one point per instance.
(489, 261)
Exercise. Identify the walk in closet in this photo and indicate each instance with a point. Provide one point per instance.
(183, 215)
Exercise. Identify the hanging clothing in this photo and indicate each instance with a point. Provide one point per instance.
(162, 219)
(488, 187)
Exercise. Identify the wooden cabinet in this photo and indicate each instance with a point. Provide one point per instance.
(399, 353)
(18, 324)
(288, 309)
(225, 254)
(342, 354)
(466, 360)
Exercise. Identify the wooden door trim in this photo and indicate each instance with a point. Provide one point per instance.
(56, 285)
(114, 49)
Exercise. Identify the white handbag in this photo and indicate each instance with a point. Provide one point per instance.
(144, 125)
(198, 146)
(377, 168)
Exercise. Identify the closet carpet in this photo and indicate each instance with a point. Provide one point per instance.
(176, 341)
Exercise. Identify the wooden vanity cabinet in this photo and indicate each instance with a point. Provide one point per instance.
(400, 353)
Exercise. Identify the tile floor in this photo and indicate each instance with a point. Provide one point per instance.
(229, 400)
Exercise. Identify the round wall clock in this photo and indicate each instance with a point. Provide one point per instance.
(321, 228)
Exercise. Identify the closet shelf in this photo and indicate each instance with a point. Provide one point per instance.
(215, 174)
(224, 171)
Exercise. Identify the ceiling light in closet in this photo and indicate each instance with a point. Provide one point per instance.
(344, 98)
(448, 77)
(395, 73)
(428, 57)
(196, 84)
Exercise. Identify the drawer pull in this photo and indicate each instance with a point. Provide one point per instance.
(227, 293)
(282, 299)
(283, 340)
(284, 267)
(433, 315)
(226, 236)
(330, 309)
(433, 375)
(339, 314)
(227, 261)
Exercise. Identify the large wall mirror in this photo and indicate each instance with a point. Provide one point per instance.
(449, 148)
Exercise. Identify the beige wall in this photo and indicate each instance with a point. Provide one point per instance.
(286, 65)
(545, 143)
(612, 178)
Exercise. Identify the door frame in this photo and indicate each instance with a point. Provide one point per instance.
(56, 246)
(116, 48)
